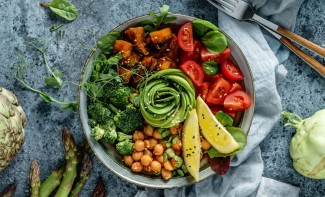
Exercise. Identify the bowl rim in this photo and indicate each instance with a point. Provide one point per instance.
(82, 75)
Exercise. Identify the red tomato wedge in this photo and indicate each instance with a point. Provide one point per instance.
(185, 37)
(237, 101)
(231, 71)
(234, 86)
(194, 55)
(204, 89)
(218, 91)
(216, 57)
(212, 78)
(194, 71)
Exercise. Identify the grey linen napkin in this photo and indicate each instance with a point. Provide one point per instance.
(265, 55)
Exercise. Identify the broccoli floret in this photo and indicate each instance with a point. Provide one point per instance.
(117, 95)
(125, 147)
(92, 123)
(97, 132)
(99, 112)
(122, 137)
(127, 120)
(106, 132)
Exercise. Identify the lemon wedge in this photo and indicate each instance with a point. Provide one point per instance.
(191, 144)
(213, 131)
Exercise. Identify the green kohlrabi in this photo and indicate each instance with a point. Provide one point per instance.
(307, 147)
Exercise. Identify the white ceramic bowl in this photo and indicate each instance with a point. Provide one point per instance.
(113, 161)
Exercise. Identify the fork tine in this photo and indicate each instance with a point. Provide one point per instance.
(229, 4)
(221, 7)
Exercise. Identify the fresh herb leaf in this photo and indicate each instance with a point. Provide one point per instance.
(55, 27)
(157, 20)
(20, 70)
(63, 9)
(224, 119)
(55, 80)
(106, 42)
(240, 138)
(201, 27)
(210, 68)
(215, 41)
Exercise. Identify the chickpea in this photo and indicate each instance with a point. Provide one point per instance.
(139, 145)
(163, 143)
(153, 143)
(146, 144)
(147, 152)
(176, 129)
(147, 168)
(137, 155)
(155, 166)
(138, 135)
(156, 135)
(205, 144)
(174, 162)
(148, 130)
(160, 158)
(136, 167)
(128, 160)
(177, 145)
(168, 166)
(146, 160)
(166, 174)
(158, 150)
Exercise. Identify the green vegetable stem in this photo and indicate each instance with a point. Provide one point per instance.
(51, 182)
(71, 158)
(307, 147)
(34, 179)
(62, 8)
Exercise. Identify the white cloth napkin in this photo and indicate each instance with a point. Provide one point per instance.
(265, 55)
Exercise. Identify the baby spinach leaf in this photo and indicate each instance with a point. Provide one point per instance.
(210, 68)
(240, 137)
(63, 9)
(224, 119)
(201, 27)
(106, 42)
(214, 41)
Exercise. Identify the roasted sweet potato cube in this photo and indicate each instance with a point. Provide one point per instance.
(165, 63)
(148, 63)
(161, 35)
(124, 47)
(136, 36)
(171, 49)
(125, 74)
(131, 61)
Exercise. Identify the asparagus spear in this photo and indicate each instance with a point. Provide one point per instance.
(87, 164)
(34, 179)
(51, 182)
(70, 171)
(10, 190)
(99, 189)
(54, 180)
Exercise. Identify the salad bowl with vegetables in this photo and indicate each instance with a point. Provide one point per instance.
(166, 100)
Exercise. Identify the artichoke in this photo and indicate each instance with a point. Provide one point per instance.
(12, 121)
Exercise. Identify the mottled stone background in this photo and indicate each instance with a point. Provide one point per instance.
(23, 20)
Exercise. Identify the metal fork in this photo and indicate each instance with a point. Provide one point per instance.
(241, 10)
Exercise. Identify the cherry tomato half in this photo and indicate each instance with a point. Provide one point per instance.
(194, 55)
(237, 101)
(216, 57)
(185, 37)
(231, 71)
(194, 71)
(204, 90)
(218, 92)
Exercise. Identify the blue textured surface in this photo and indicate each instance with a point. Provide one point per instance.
(302, 91)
